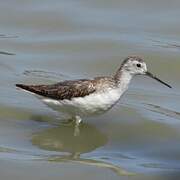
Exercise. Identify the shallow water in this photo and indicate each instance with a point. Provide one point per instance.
(49, 41)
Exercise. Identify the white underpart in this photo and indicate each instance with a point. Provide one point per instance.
(95, 103)
(83, 106)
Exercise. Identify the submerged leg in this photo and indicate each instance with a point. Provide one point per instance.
(76, 128)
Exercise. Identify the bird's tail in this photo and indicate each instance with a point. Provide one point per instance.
(29, 88)
(35, 89)
(23, 86)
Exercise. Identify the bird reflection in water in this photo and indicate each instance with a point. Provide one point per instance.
(62, 139)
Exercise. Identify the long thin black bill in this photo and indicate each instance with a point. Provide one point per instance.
(154, 77)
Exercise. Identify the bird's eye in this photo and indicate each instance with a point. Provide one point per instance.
(138, 65)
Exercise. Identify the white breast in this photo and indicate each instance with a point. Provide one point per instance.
(92, 104)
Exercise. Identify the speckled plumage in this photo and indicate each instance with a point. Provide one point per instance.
(70, 89)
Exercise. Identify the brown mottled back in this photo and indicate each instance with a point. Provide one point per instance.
(68, 89)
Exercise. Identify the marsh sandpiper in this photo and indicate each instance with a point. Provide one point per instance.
(87, 97)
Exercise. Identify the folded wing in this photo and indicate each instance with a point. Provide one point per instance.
(62, 90)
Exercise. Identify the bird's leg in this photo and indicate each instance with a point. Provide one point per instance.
(76, 128)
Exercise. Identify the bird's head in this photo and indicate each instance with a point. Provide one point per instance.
(135, 65)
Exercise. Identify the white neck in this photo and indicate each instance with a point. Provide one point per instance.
(123, 79)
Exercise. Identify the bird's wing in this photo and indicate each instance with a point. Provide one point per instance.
(62, 90)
